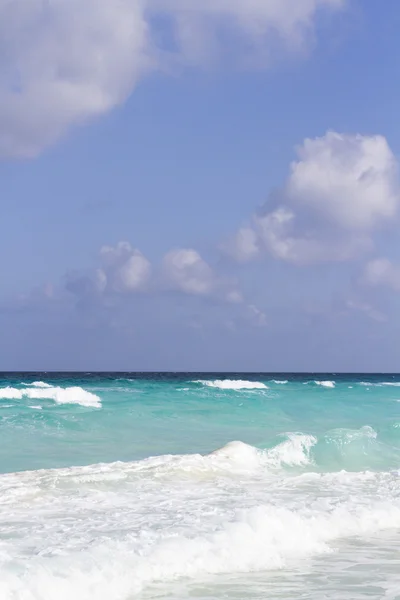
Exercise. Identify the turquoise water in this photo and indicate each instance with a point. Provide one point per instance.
(120, 486)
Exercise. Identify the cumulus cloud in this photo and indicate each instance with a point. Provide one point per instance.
(382, 272)
(188, 272)
(351, 180)
(185, 270)
(341, 189)
(123, 270)
(64, 62)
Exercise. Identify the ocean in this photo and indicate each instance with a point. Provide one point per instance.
(199, 486)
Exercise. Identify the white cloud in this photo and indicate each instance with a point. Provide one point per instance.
(244, 246)
(123, 270)
(63, 62)
(263, 24)
(133, 275)
(382, 272)
(188, 272)
(341, 189)
(127, 270)
(66, 61)
(184, 270)
(351, 180)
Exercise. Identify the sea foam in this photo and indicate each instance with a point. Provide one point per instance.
(327, 384)
(69, 395)
(134, 538)
(233, 384)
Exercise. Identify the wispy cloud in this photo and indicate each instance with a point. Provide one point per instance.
(381, 272)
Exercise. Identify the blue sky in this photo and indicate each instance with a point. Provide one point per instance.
(199, 185)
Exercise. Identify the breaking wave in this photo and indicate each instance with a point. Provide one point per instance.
(327, 384)
(69, 395)
(233, 384)
(257, 539)
(380, 384)
(125, 551)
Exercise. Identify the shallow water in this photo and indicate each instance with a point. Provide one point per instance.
(199, 486)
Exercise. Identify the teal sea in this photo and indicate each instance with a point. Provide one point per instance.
(203, 486)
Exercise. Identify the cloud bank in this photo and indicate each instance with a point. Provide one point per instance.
(64, 62)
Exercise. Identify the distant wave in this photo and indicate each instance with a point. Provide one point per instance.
(39, 384)
(278, 382)
(69, 395)
(327, 384)
(233, 384)
(380, 383)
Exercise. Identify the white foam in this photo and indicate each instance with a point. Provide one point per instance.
(236, 454)
(380, 384)
(262, 538)
(40, 384)
(327, 384)
(295, 451)
(69, 395)
(87, 562)
(280, 382)
(233, 384)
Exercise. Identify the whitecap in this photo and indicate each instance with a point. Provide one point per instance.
(327, 384)
(380, 384)
(233, 384)
(295, 451)
(69, 395)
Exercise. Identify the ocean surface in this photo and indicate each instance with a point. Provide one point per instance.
(199, 486)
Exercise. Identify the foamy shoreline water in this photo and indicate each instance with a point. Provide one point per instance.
(167, 504)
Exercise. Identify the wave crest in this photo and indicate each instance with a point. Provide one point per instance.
(233, 384)
(69, 395)
(327, 384)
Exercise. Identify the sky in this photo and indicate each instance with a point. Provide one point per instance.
(200, 185)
